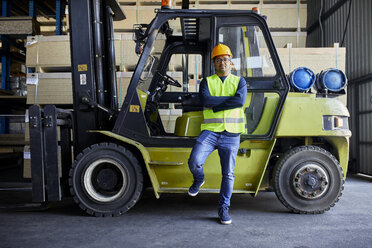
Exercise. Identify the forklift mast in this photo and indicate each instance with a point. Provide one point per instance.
(93, 67)
(94, 98)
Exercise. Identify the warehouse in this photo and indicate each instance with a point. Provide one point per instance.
(101, 115)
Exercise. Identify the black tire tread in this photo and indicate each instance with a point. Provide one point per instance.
(281, 162)
(124, 208)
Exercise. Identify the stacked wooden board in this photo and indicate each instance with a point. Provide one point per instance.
(54, 65)
(19, 25)
(52, 53)
(316, 59)
(295, 15)
(12, 93)
(286, 19)
(14, 30)
(56, 87)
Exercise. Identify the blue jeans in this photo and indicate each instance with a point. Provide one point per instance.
(227, 148)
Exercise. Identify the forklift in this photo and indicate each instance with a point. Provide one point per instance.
(295, 143)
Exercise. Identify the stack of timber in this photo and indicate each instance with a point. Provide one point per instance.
(279, 15)
(52, 53)
(316, 59)
(56, 88)
(286, 19)
(17, 67)
(50, 56)
(19, 26)
(12, 110)
(54, 65)
(48, 25)
(15, 29)
(12, 100)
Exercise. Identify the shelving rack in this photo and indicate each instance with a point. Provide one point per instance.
(13, 44)
(16, 17)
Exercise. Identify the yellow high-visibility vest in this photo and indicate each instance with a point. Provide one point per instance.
(231, 120)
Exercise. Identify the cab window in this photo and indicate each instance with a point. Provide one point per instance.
(187, 69)
(251, 57)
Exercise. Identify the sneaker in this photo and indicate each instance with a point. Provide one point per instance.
(224, 216)
(194, 189)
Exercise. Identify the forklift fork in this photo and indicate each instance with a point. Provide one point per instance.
(46, 184)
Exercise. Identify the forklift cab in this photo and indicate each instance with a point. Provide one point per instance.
(176, 55)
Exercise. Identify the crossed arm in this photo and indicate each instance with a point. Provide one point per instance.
(219, 103)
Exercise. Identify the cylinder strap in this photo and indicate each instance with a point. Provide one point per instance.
(336, 48)
(121, 71)
(137, 11)
(289, 57)
(37, 68)
(298, 23)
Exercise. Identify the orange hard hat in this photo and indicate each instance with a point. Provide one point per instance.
(221, 49)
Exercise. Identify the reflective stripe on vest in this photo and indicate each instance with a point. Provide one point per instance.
(222, 120)
(231, 120)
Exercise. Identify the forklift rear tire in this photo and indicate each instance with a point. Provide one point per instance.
(308, 180)
(106, 180)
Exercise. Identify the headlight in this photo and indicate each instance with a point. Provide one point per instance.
(332, 122)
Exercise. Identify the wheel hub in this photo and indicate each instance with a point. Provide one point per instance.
(310, 181)
(105, 180)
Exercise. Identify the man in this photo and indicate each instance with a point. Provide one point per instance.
(223, 96)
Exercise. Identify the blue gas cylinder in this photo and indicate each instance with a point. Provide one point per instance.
(333, 80)
(301, 79)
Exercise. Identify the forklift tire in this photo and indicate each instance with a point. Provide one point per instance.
(308, 180)
(106, 180)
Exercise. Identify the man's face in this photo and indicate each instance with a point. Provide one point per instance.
(222, 64)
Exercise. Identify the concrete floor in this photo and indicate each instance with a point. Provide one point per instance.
(176, 220)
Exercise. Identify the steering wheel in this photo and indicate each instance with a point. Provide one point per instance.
(169, 80)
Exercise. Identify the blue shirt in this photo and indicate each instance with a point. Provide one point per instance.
(219, 103)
